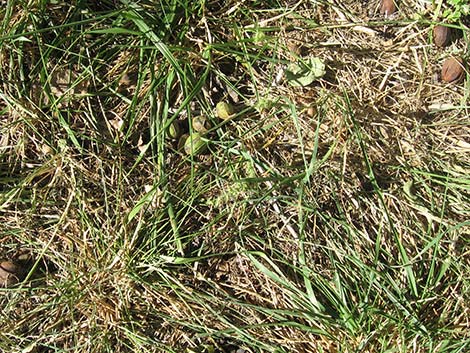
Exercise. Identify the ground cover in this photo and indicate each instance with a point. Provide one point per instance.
(323, 206)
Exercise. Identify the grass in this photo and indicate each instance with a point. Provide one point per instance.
(326, 218)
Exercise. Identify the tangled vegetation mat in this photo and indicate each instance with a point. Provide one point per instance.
(234, 176)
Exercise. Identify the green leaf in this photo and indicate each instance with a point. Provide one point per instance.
(303, 73)
(114, 30)
(408, 189)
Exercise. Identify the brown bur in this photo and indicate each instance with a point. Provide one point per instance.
(453, 70)
(387, 7)
(10, 273)
(442, 35)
